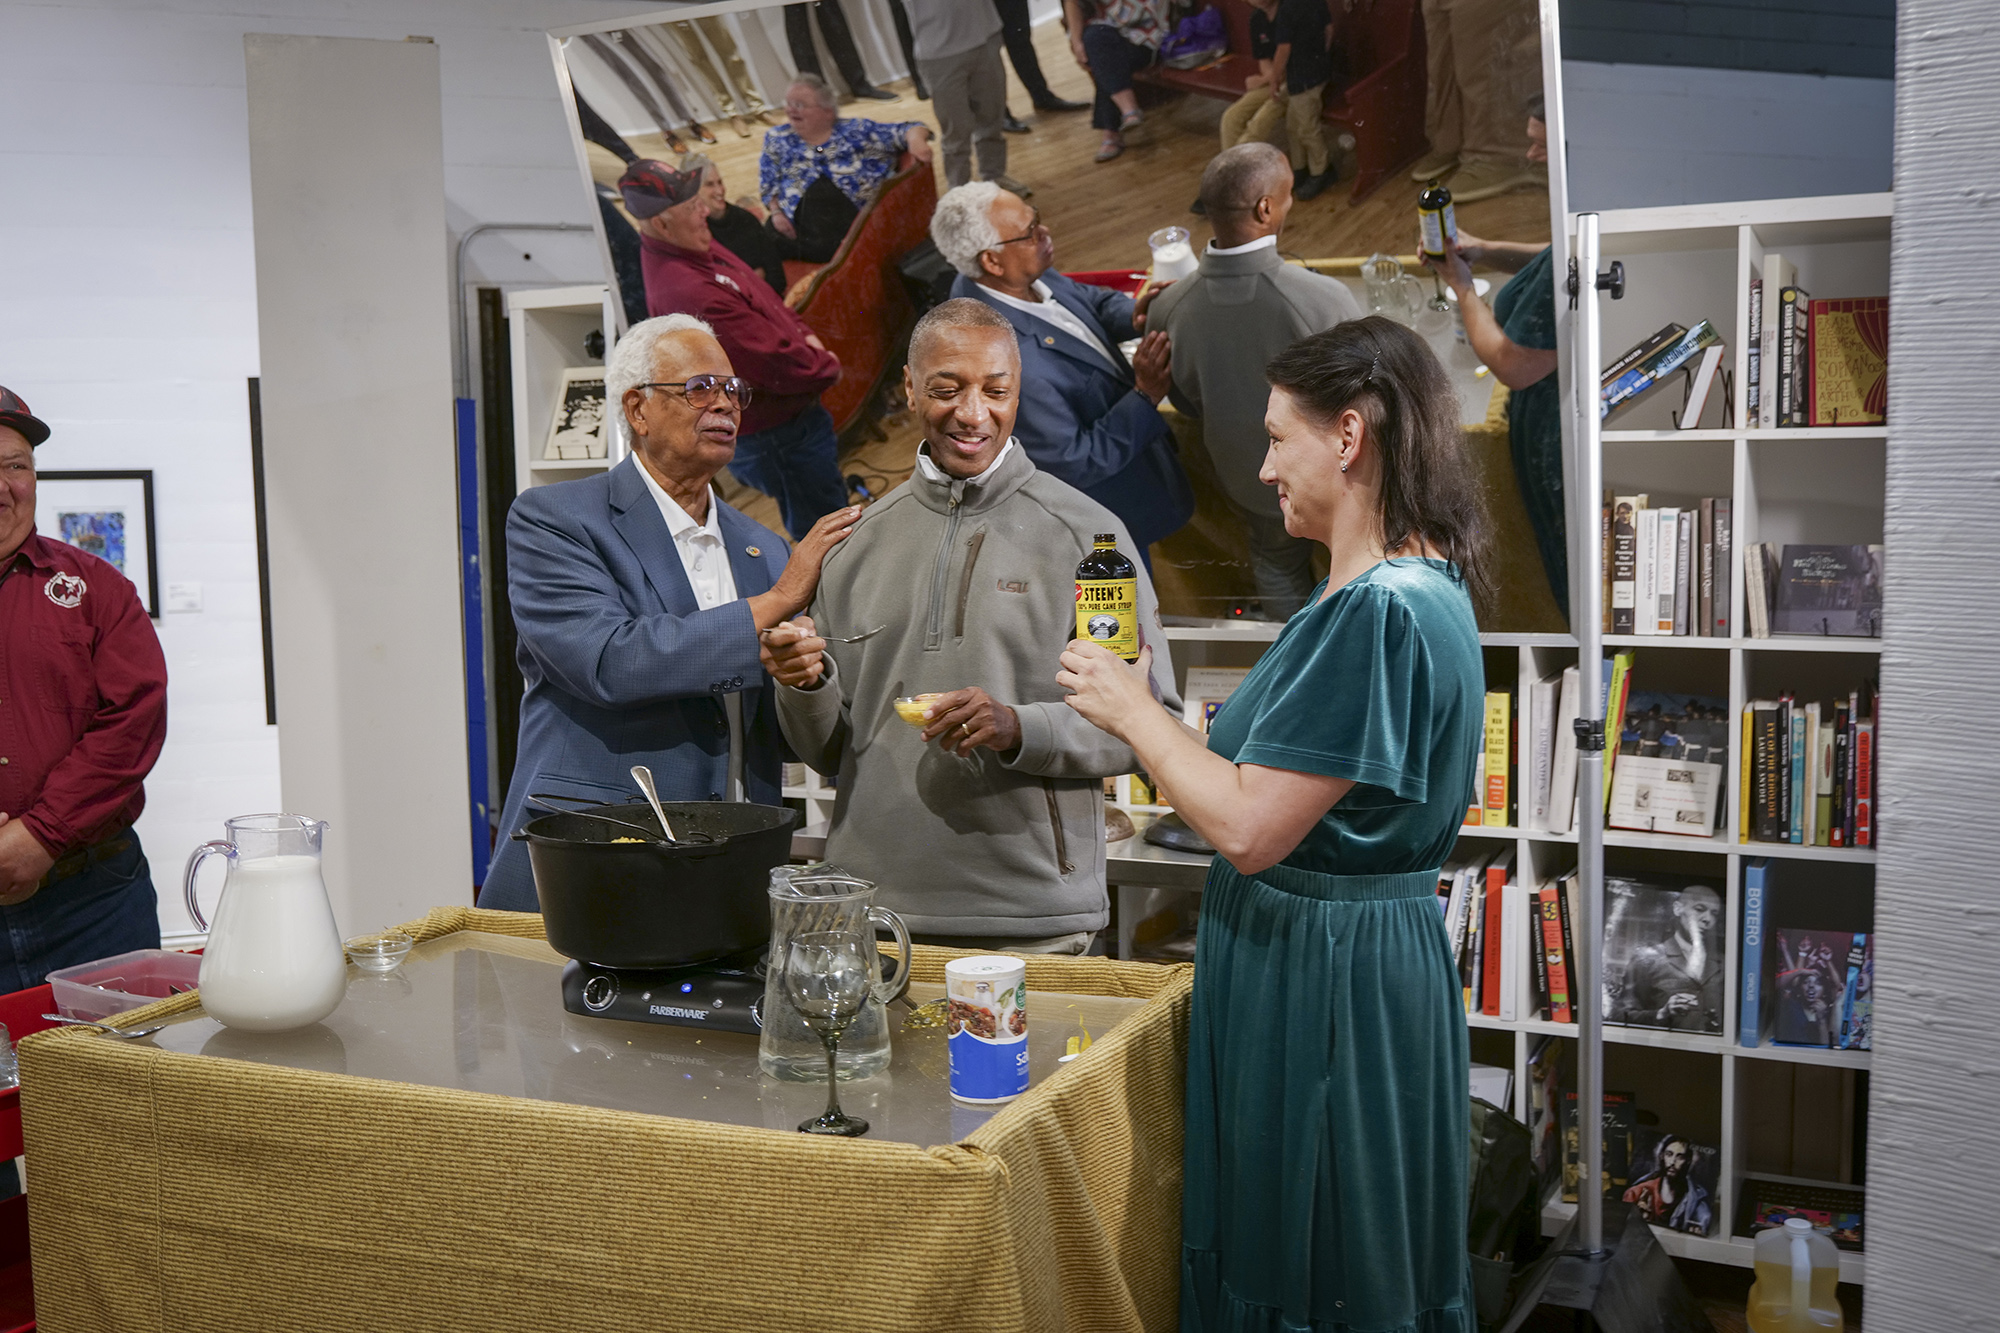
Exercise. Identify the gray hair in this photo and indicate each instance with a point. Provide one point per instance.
(821, 90)
(1236, 178)
(696, 162)
(962, 227)
(961, 312)
(631, 361)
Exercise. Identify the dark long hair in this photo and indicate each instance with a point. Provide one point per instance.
(1388, 374)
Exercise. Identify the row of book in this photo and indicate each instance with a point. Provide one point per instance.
(1813, 363)
(1666, 570)
(1513, 942)
(1808, 771)
(1824, 590)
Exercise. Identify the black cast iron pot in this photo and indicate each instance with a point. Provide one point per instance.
(650, 905)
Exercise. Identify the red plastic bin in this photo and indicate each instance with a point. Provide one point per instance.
(22, 1013)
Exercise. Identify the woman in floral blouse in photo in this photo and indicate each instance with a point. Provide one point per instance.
(820, 169)
(1113, 40)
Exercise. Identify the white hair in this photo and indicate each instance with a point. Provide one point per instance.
(631, 361)
(821, 90)
(962, 227)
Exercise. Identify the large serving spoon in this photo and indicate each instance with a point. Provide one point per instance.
(644, 777)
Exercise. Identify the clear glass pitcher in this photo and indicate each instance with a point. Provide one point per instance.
(1391, 292)
(273, 961)
(1173, 257)
(826, 898)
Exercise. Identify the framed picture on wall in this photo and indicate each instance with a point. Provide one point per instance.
(110, 515)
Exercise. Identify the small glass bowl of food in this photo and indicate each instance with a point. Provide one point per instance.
(383, 951)
(911, 708)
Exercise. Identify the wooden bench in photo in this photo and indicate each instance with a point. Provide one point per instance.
(1382, 42)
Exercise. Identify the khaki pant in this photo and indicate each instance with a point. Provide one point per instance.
(731, 89)
(1485, 63)
(1255, 117)
(969, 94)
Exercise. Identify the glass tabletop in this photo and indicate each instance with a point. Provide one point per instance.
(484, 1013)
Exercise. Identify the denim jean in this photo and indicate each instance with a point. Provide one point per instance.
(104, 909)
(796, 464)
(1113, 62)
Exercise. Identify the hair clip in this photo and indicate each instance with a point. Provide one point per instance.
(1374, 369)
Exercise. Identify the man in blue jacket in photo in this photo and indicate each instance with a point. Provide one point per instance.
(1087, 416)
(639, 600)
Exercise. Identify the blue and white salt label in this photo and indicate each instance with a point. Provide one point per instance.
(988, 1027)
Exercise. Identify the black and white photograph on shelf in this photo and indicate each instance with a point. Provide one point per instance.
(108, 514)
(1829, 590)
(1663, 952)
(1673, 1181)
(1673, 755)
(577, 430)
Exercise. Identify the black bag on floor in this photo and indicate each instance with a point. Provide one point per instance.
(1502, 1220)
(927, 276)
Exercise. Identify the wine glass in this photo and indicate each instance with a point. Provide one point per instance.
(827, 977)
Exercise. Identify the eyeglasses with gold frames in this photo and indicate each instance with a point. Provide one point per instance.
(701, 390)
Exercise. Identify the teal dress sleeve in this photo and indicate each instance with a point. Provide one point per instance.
(1353, 701)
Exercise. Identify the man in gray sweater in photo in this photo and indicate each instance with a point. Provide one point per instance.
(985, 829)
(1225, 323)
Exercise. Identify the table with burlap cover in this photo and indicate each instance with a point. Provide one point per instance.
(180, 1192)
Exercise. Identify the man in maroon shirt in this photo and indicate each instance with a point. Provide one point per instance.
(788, 448)
(83, 713)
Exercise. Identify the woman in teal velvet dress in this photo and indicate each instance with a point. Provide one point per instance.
(1327, 1131)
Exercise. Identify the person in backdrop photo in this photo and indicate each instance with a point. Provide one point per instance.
(1678, 984)
(958, 49)
(83, 713)
(739, 227)
(788, 448)
(1087, 416)
(1225, 323)
(1018, 32)
(1326, 1155)
(839, 44)
(1112, 40)
(967, 573)
(1485, 60)
(1291, 40)
(820, 168)
(638, 596)
(1516, 339)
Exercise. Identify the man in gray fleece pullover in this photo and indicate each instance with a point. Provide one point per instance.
(985, 829)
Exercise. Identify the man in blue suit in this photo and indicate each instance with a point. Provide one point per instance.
(639, 601)
(1087, 416)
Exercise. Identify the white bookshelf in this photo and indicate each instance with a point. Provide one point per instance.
(1786, 485)
(548, 328)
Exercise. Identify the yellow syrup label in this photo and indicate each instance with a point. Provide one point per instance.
(1107, 613)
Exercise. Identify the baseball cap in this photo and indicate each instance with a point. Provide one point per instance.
(650, 188)
(15, 413)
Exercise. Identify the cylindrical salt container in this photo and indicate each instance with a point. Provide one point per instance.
(988, 1026)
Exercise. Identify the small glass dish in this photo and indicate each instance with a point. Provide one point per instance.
(911, 708)
(383, 951)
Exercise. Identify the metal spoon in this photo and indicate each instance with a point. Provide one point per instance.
(838, 638)
(644, 777)
(123, 1034)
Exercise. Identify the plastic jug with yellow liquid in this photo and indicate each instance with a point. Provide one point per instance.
(1797, 1271)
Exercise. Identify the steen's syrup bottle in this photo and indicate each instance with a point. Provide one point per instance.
(1107, 598)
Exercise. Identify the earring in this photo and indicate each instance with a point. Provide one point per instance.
(1343, 465)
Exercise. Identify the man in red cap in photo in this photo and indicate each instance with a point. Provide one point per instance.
(83, 713)
(788, 448)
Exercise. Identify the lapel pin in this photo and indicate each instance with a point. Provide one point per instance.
(752, 551)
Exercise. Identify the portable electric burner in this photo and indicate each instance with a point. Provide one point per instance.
(727, 993)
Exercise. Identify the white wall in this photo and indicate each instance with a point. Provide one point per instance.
(1933, 1156)
(1645, 135)
(128, 309)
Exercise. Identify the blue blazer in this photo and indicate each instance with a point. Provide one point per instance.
(1082, 420)
(622, 666)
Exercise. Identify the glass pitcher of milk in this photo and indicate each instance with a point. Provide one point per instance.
(273, 960)
(1173, 257)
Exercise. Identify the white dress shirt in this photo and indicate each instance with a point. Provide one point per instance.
(706, 561)
(1258, 244)
(1051, 311)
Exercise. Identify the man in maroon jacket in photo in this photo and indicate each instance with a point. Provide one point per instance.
(788, 448)
(83, 713)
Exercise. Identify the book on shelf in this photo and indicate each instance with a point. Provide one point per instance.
(1828, 590)
(1778, 274)
(1618, 1122)
(1663, 952)
(1807, 963)
(1754, 367)
(1640, 375)
(1793, 302)
(1617, 685)
(576, 430)
(1672, 758)
(1668, 574)
(1808, 774)
(1544, 1113)
(1838, 1210)
(1703, 378)
(1494, 1086)
(1538, 740)
(1496, 810)
(1207, 689)
(1493, 932)
(1847, 350)
(1673, 1180)
(1558, 1005)
(1562, 770)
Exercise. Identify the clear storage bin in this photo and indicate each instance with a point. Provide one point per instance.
(126, 981)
